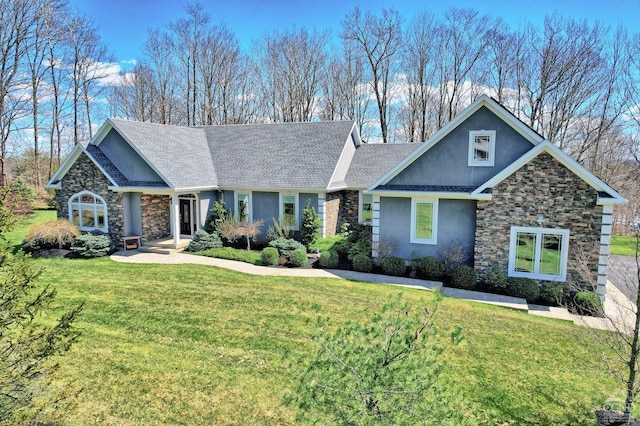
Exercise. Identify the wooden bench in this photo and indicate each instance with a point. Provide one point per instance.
(131, 242)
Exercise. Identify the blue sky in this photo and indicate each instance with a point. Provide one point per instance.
(123, 24)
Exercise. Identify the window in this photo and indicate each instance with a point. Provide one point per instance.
(538, 253)
(366, 208)
(289, 210)
(424, 221)
(482, 147)
(243, 206)
(88, 211)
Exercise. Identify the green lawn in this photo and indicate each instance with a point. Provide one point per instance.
(187, 344)
(624, 246)
(37, 216)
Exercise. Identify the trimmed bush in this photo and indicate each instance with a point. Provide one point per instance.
(587, 303)
(90, 246)
(202, 240)
(429, 267)
(464, 277)
(310, 225)
(552, 293)
(58, 234)
(270, 256)
(496, 279)
(362, 263)
(394, 266)
(286, 245)
(329, 259)
(523, 287)
(298, 258)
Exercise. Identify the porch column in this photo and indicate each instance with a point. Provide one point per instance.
(175, 219)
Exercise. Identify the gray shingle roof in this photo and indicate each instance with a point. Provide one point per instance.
(180, 154)
(281, 155)
(372, 161)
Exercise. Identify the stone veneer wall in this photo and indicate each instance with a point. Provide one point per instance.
(156, 217)
(340, 207)
(541, 187)
(85, 176)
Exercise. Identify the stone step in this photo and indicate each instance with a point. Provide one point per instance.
(160, 250)
(184, 243)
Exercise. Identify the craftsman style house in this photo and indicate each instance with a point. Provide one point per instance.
(485, 181)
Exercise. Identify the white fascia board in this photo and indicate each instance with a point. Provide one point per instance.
(133, 146)
(561, 157)
(70, 160)
(196, 189)
(272, 189)
(344, 148)
(483, 100)
(427, 194)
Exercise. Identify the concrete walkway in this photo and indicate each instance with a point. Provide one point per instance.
(615, 298)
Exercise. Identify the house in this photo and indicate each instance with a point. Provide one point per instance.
(485, 182)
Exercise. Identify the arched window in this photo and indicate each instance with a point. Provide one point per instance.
(88, 211)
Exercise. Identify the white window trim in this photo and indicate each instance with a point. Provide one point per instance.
(361, 210)
(236, 212)
(297, 209)
(536, 275)
(434, 235)
(492, 148)
(96, 198)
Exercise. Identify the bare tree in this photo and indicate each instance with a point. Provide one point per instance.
(136, 97)
(378, 39)
(292, 65)
(158, 48)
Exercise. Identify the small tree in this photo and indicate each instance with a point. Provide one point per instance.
(310, 225)
(382, 371)
(231, 229)
(29, 348)
(217, 214)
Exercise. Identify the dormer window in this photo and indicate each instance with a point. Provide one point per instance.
(482, 144)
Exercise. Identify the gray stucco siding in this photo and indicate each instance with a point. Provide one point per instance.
(446, 163)
(126, 159)
(456, 225)
(133, 213)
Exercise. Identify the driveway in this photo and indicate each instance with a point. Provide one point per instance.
(623, 275)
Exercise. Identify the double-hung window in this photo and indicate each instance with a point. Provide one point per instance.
(289, 210)
(88, 211)
(424, 221)
(243, 206)
(482, 147)
(539, 253)
(366, 208)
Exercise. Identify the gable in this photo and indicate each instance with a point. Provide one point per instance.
(446, 163)
(126, 159)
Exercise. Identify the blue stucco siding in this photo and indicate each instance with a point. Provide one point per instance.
(302, 200)
(446, 163)
(126, 159)
(265, 207)
(207, 199)
(132, 213)
(456, 225)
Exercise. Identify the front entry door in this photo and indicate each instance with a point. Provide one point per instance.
(185, 217)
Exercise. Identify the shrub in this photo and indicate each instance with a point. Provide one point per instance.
(429, 267)
(217, 214)
(587, 303)
(270, 256)
(394, 266)
(329, 259)
(230, 253)
(360, 248)
(523, 287)
(453, 256)
(362, 263)
(496, 279)
(310, 225)
(286, 245)
(202, 240)
(57, 234)
(279, 229)
(552, 293)
(298, 258)
(464, 277)
(90, 246)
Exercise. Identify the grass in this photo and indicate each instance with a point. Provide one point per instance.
(324, 244)
(37, 216)
(187, 344)
(230, 253)
(191, 344)
(623, 246)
